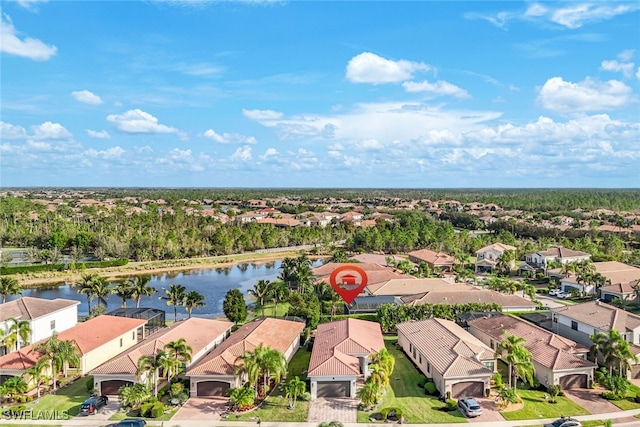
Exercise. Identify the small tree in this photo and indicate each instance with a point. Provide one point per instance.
(132, 396)
(242, 397)
(293, 388)
(234, 306)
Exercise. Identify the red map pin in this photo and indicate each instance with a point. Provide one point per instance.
(348, 286)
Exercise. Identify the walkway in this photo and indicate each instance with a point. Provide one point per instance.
(325, 409)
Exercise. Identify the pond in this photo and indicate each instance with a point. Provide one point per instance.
(212, 283)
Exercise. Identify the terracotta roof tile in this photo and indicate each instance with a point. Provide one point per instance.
(468, 296)
(29, 308)
(601, 316)
(433, 257)
(412, 286)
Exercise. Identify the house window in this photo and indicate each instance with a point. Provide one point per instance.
(53, 325)
(489, 365)
(414, 353)
(428, 367)
(491, 343)
(421, 359)
(555, 319)
(120, 342)
(133, 335)
(574, 325)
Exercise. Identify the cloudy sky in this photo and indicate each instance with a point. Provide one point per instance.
(320, 94)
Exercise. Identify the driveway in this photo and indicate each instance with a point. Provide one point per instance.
(105, 412)
(326, 409)
(590, 400)
(201, 408)
(489, 411)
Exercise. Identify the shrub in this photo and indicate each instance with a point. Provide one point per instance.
(90, 384)
(384, 412)
(637, 398)
(451, 404)
(430, 388)
(157, 410)
(609, 395)
(145, 409)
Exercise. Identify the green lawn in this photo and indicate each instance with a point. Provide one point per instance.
(629, 402)
(536, 407)
(68, 398)
(165, 417)
(270, 309)
(405, 393)
(276, 407)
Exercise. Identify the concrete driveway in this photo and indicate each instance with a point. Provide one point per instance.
(200, 408)
(105, 412)
(326, 409)
(489, 411)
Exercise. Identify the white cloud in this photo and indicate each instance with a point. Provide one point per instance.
(615, 66)
(243, 154)
(626, 55)
(111, 153)
(27, 48)
(535, 10)
(270, 152)
(138, 121)
(200, 70)
(86, 97)
(368, 67)
(588, 95)
(638, 73)
(437, 88)
(102, 134)
(370, 144)
(49, 130)
(229, 138)
(575, 16)
(9, 131)
(261, 114)
(30, 4)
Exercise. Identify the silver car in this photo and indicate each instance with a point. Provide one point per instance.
(565, 422)
(469, 407)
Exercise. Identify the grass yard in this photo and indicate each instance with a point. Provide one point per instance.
(629, 402)
(165, 417)
(67, 398)
(536, 407)
(276, 407)
(406, 394)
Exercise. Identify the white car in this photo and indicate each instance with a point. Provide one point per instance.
(554, 292)
(565, 422)
(563, 295)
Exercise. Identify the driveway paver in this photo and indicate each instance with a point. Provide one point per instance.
(105, 412)
(325, 409)
(489, 411)
(591, 400)
(198, 408)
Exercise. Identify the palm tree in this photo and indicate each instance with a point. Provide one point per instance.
(58, 355)
(636, 291)
(522, 366)
(66, 355)
(150, 366)
(101, 289)
(193, 300)
(9, 286)
(507, 350)
(385, 360)
(615, 350)
(86, 287)
(274, 365)
(19, 333)
(36, 374)
(140, 288)
(178, 351)
(174, 297)
(261, 292)
(247, 364)
(294, 388)
(280, 293)
(369, 393)
(378, 375)
(123, 291)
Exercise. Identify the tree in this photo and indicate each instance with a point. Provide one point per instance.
(67, 356)
(180, 352)
(615, 351)
(140, 288)
(280, 293)
(150, 367)
(369, 393)
(192, 300)
(522, 366)
(36, 375)
(293, 388)
(13, 386)
(261, 291)
(234, 306)
(636, 291)
(242, 397)
(101, 289)
(58, 355)
(123, 291)
(174, 296)
(19, 333)
(134, 395)
(385, 360)
(508, 349)
(9, 286)
(86, 287)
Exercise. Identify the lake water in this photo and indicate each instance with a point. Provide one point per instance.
(212, 283)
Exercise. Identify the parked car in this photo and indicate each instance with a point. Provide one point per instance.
(554, 292)
(92, 404)
(130, 422)
(469, 407)
(564, 422)
(563, 295)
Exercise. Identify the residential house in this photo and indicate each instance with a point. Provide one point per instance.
(459, 363)
(438, 261)
(340, 356)
(578, 322)
(97, 340)
(541, 259)
(202, 335)
(488, 256)
(460, 295)
(215, 373)
(613, 271)
(45, 317)
(557, 360)
(623, 291)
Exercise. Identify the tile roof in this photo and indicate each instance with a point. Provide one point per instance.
(29, 308)
(548, 349)
(87, 335)
(468, 296)
(380, 259)
(619, 288)
(561, 252)
(500, 247)
(198, 333)
(327, 269)
(452, 351)
(432, 257)
(600, 316)
(337, 344)
(412, 286)
(275, 333)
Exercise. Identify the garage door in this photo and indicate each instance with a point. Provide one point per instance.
(573, 381)
(110, 388)
(334, 389)
(212, 388)
(467, 389)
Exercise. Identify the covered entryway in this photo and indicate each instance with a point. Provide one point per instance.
(573, 381)
(467, 389)
(334, 389)
(111, 387)
(212, 388)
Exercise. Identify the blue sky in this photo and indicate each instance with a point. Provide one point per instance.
(420, 94)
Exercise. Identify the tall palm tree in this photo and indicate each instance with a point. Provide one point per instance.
(36, 374)
(280, 293)
(19, 333)
(67, 356)
(58, 355)
(522, 366)
(507, 349)
(140, 288)
(294, 388)
(123, 291)
(101, 289)
(274, 365)
(261, 292)
(193, 299)
(86, 287)
(150, 366)
(180, 352)
(385, 360)
(247, 364)
(615, 351)
(9, 286)
(174, 296)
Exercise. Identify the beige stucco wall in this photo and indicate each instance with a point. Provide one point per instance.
(101, 354)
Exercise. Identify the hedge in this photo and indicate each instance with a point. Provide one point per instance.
(16, 269)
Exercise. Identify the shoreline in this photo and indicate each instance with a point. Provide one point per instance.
(36, 280)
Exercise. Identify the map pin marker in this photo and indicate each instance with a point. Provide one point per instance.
(348, 287)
